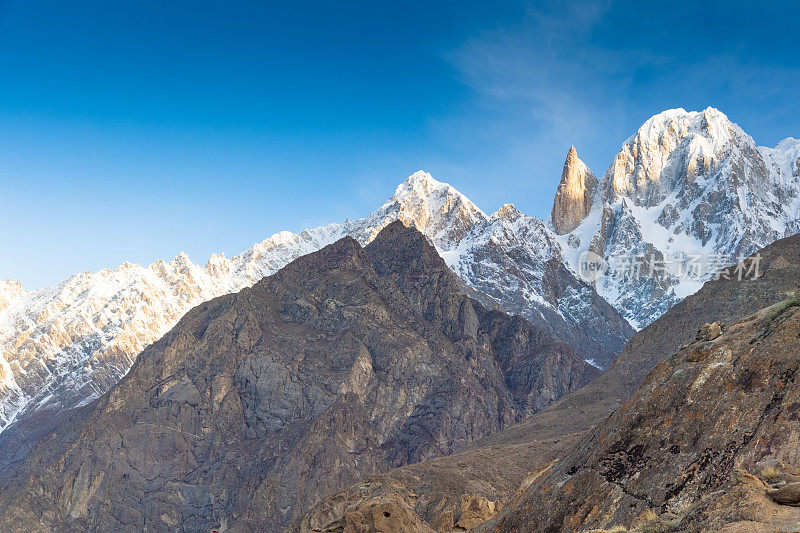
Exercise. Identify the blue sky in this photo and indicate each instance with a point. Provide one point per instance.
(131, 130)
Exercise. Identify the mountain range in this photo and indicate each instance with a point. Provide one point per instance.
(63, 346)
(344, 363)
(671, 188)
(687, 195)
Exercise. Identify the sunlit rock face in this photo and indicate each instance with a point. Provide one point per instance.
(574, 195)
(10, 292)
(686, 185)
(690, 441)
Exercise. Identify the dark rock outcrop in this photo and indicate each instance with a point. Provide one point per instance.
(343, 364)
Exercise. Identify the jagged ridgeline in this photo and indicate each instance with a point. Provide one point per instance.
(686, 184)
(689, 191)
(345, 363)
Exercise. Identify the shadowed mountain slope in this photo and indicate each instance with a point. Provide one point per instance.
(65, 345)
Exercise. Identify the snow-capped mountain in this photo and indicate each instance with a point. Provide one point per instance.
(63, 346)
(516, 260)
(690, 191)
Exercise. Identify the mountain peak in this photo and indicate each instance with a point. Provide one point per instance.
(678, 124)
(573, 199)
(435, 208)
(182, 259)
(670, 148)
(421, 176)
(507, 211)
(670, 190)
(420, 183)
(422, 187)
(680, 113)
(10, 283)
(10, 291)
(399, 248)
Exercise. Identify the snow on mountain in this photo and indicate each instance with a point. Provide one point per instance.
(63, 346)
(516, 260)
(10, 292)
(689, 192)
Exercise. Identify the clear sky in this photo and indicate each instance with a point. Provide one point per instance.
(131, 130)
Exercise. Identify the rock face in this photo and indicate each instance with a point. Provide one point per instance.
(574, 195)
(452, 493)
(65, 345)
(344, 363)
(683, 445)
(690, 191)
(500, 467)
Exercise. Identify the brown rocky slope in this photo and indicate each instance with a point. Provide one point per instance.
(696, 446)
(345, 363)
(499, 466)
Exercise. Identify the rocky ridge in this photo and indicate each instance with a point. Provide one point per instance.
(10, 292)
(689, 451)
(574, 195)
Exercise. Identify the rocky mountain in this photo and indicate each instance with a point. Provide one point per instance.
(687, 195)
(65, 345)
(493, 474)
(517, 262)
(346, 362)
(707, 443)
